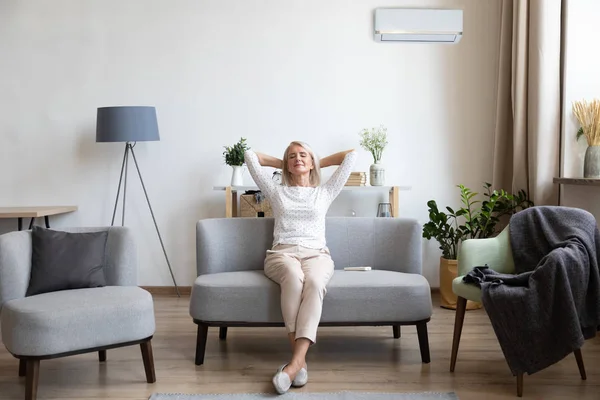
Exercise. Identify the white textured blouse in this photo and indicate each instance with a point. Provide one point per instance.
(299, 211)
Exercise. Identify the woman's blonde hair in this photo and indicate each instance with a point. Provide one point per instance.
(315, 173)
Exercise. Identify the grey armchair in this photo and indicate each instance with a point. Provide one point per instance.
(68, 322)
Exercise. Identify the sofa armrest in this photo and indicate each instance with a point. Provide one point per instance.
(15, 265)
(495, 252)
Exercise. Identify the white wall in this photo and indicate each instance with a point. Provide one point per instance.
(268, 70)
(581, 81)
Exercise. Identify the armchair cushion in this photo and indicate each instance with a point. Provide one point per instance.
(466, 290)
(66, 260)
(72, 320)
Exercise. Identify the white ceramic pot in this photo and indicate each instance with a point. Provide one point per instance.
(237, 178)
(376, 174)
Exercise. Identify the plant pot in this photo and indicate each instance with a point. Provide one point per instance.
(237, 177)
(448, 272)
(591, 162)
(376, 174)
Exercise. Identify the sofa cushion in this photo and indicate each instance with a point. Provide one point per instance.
(69, 320)
(352, 296)
(66, 260)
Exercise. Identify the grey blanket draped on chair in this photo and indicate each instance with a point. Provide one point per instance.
(551, 305)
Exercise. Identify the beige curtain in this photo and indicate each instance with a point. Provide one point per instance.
(527, 134)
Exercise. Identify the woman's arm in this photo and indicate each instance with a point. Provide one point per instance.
(334, 159)
(339, 178)
(269, 161)
(262, 179)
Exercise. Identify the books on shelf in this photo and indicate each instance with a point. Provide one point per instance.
(357, 179)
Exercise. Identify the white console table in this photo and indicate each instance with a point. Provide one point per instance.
(231, 195)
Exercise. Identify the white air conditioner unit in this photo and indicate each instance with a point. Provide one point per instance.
(418, 25)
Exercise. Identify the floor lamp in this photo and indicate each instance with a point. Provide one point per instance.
(130, 124)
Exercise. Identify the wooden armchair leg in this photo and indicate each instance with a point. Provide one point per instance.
(461, 307)
(397, 333)
(223, 333)
(22, 367)
(201, 343)
(148, 358)
(31, 380)
(423, 342)
(520, 385)
(579, 359)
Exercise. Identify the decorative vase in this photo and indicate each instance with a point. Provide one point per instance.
(376, 174)
(448, 272)
(237, 178)
(591, 163)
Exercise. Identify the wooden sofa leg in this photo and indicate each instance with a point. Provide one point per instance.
(102, 355)
(461, 307)
(223, 333)
(148, 358)
(396, 331)
(520, 385)
(31, 380)
(201, 343)
(423, 342)
(579, 359)
(22, 367)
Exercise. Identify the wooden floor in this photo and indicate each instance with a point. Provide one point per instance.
(352, 359)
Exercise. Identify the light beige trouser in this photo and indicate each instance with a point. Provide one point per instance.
(302, 274)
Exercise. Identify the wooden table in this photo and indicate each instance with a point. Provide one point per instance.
(34, 212)
(231, 195)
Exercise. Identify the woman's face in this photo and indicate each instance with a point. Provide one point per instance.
(299, 161)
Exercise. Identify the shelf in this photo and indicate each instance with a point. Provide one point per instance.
(232, 194)
(577, 181)
(374, 188)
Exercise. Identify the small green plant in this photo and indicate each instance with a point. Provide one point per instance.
(234, 155)
(475, 219)
(374, 141)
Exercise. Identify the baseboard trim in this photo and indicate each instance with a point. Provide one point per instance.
(187, 290)
(168, 290)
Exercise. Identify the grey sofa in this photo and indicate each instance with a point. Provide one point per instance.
(68, 322)
(231, 289)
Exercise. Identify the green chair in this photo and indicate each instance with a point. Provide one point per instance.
(495, 252)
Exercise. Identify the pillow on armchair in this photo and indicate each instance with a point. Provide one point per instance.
(66, 260)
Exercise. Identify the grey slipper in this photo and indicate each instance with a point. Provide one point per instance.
(281, 380)
(301, 378)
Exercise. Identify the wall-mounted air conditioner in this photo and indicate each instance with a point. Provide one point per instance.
(418, 25)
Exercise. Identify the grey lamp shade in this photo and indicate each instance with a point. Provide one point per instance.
(126, 124)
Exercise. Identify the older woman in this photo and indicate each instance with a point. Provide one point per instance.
(299, 260)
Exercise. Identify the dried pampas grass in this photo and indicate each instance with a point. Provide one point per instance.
(588, 115)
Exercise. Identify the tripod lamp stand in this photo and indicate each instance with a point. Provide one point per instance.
(130, 124)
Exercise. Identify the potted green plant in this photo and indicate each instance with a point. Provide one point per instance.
(234, 157)
(475, 219)
(374, 141)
